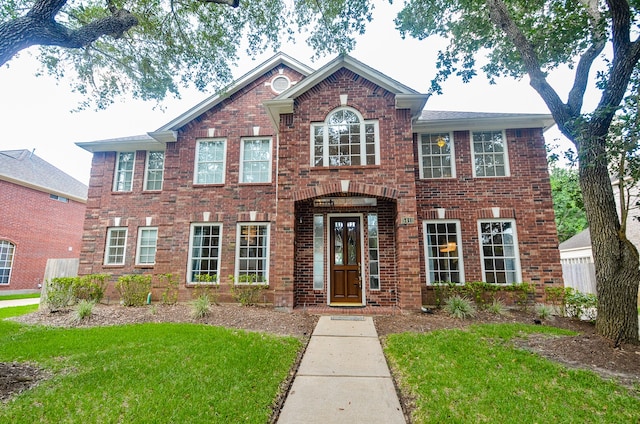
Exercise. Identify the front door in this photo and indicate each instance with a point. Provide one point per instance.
(346, 282)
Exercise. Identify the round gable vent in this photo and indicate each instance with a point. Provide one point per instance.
(280, 83)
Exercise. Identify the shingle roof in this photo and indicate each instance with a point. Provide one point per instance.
(25, 168)
(579, 241)
(448, 114)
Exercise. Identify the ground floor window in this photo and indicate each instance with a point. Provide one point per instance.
(252, 253)
(374, 257)
(116, 246)
(204, 253)
(6, 260)
(499, 252)
(318, 252)
(147, 241)
(442, 252)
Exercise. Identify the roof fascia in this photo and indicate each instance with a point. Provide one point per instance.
(277, 107)
(473, 124)
(43, 189)
(123, 145)
(415, 102)
(205, 105)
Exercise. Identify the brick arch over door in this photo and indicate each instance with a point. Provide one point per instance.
(345, 187)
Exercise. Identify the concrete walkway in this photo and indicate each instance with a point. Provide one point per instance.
(343, 377)
(19, 302)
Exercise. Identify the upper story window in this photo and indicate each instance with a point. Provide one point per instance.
(490, 156)
(345, 139)
(155, 171)
(58, 198)
(255, 160)
(210, 162)
(499, 254)
(6, 260)
(436, 156)
(123, 178)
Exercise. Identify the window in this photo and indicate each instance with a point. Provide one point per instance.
(155, 171)
(58, 198)
(255, 166)
(490, 154)
(6, 260)
(147, 241)
(204, 252)
(318, 252)
(345, 139)
(123, 180)
(499, 252)
(443, 253)
(374, 259)
(210, 162)
(436, 156)
(252, 253)
(116, 246)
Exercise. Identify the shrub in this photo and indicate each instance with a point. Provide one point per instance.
(247, 290)
(200, 307)
(497, 307)
(84, 309)
(555, 295)
(133, 289)
(59, 293)
(170, 292)
(459, 307)
(580, 305)
(90, 287)
(544, 311)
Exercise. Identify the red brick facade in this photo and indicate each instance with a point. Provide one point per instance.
(300, 192)
(39, 228)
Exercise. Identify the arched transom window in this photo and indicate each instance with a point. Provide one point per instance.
(345, 139)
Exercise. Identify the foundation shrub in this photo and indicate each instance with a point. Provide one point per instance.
(133, 289)
(247, 290)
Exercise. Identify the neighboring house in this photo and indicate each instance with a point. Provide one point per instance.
(334, 186)
(42, 211)
(576, 255)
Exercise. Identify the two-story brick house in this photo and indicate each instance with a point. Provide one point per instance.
(334, 186)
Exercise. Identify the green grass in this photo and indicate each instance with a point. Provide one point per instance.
(149, 373)
(476, 376)
(14, 311)
(19, 296)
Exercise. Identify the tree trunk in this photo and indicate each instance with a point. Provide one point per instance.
(616, 258)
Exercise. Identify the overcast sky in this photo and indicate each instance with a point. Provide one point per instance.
(35, 112)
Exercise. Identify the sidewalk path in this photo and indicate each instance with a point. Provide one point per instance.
(343, 377)
(19, 302)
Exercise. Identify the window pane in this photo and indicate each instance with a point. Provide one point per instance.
(205, 253)
(210, 162)
(443, 252)
(318, 252)
(256, 161)
(123, 180)
(374, 264)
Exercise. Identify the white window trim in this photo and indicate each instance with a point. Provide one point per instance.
(458, 240)
(325, 138)
(190, 258)
(224, 160)
(146, 170)
(507, 168)
(117, 171)
(453, 155)
(139, 246)
(236, 273)
(241, 171)
(515, 243)
(108, 246)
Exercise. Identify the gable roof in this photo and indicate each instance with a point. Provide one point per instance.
(24, 168)
(406, 97)
(441, 120)
(582, 240)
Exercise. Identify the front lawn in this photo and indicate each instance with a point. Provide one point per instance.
(14, 311)
(477, 376)
(19, 296)
(148, 373)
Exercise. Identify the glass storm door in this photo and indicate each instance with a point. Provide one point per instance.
(346, 281)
